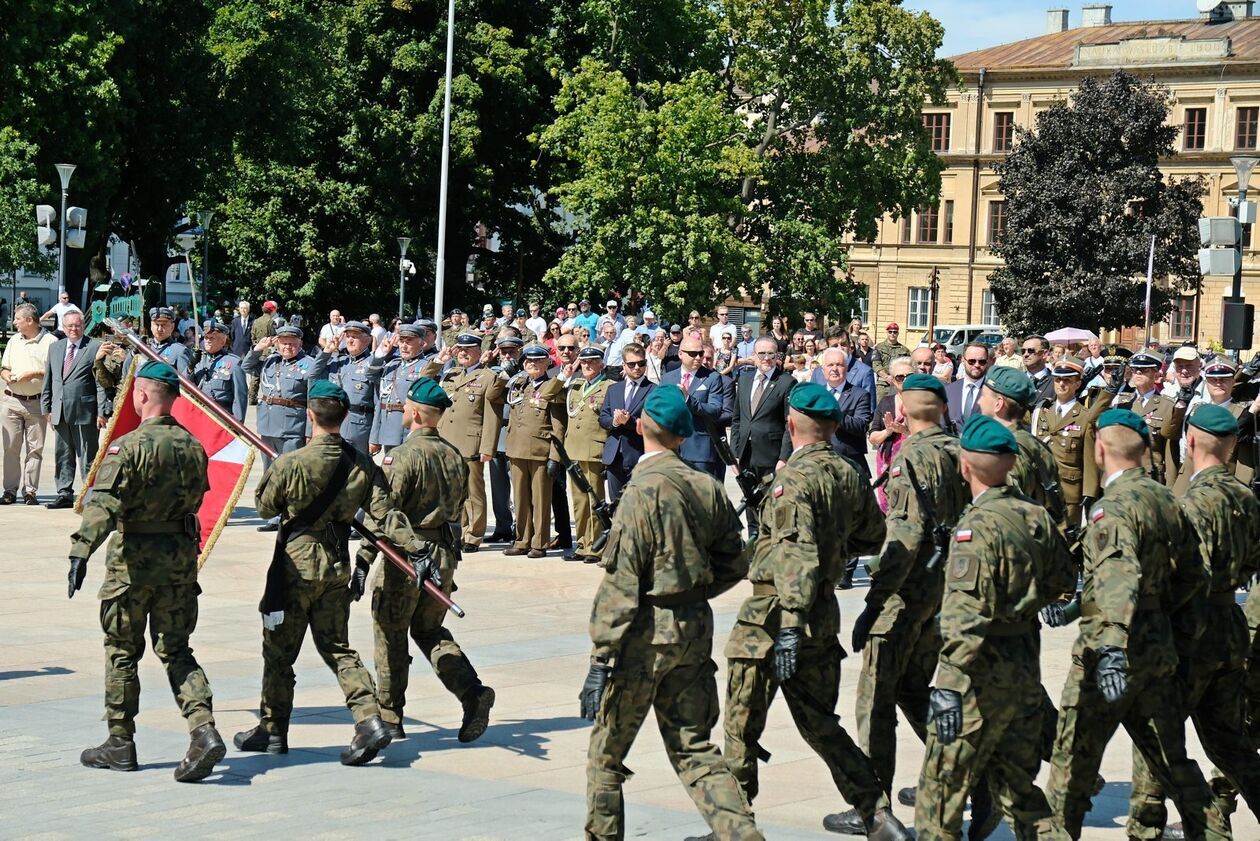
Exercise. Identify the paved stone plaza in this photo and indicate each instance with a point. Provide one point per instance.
(526, 634)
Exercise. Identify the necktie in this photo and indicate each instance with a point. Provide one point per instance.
(69, 362)
(630, 393)
(835, 392)
(970, 401)
(755, 399)
(686, 382)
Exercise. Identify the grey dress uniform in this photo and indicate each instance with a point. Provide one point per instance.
(222, 378)
(394, 381)
(282, 392)
(360, 376)
(109, 371)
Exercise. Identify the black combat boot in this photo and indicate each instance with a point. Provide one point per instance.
(984, 818)
(848, 822)
(884, 826)
(259, 740)
(205, 748)
(905, 796)
(370, 738)
(118, 753)
(477, 703)
(396, 732)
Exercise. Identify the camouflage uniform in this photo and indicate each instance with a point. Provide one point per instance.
(317, 572)
(674, 544)
(263, 326)
(471, 425)
(1226, 518)
(110, 371)
(1036, 476)
(428, 480)
(1140, 574)
(1006, 561)
(884, 353)
(818, 515)
(584, 441)
(222, 378)
(148, 489)
(900, 655)
(1251, 683)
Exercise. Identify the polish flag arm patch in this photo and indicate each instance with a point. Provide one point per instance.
(1097, 515)
(778, 491)
(895, 472)
(113, 450)
(962, 536)
(387, 460)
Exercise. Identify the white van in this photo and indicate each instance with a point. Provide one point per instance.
(955, 337)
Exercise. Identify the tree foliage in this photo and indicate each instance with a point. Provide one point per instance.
(21, 193)
(1084, 196)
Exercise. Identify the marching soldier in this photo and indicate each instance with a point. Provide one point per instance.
(113, 360)
(317, 491)
(414, 343)
(584, 440)
(1067, 426)
(675, 544)
(819, 514)
(535, 420)
(219, 373)
(471, 426)
(1219, 378)
(148, 489)
(357, 370)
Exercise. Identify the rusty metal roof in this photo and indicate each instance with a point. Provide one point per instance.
(1057, 51)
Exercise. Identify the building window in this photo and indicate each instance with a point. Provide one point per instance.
(929, 217)
(1194, 135)
(1182, 319)
(988, 308)
(906, 230)
(1003, 131)
(938, 131)
(1245, 131)
(947, 225)
(997, 221)
(860, 311)
(917, 317)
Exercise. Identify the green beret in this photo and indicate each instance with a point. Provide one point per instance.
(1126, 418)
(1011, 383)
(1214, 419)
(983, 434)
(159, 371)
(328, 390)
(426, 390)
(815, 401)
(925, 382)
(666, 405)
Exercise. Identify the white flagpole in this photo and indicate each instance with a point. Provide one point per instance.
(1150, 275)
(440, 277)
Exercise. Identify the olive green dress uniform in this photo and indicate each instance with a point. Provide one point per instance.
(1070, 436)
(1157, 410)
(533, 424)
(471, 426)
(675, 543)
(263, 326)
(428, 480)
(317, 572)
(818, 515)
(148, 489)
(584, 441)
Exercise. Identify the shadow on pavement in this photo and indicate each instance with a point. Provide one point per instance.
(517, 736)
(44, 672)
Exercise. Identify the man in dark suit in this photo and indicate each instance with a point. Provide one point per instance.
(964, 392)
(706, 398)
(759, 436)
(623, 405)
(240, 330)
(72, 399)
(857, 407)
(1036, 351)
(858, 373)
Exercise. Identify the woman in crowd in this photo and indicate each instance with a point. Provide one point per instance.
(888, 427)
(724, 357)
(943, 366)
(657, 351)
(778, 331)
(553, 333)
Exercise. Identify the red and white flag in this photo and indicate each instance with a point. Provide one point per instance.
(229, 457)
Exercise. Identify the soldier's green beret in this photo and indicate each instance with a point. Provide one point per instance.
(666, 405)
(1125, 418)
(815, 401)
(1011, 383)
(983, 434)
(328, 390)
(925, 382)
(159, 371)
(426, 390)
(1214, 419)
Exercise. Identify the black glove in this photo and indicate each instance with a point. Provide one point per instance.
(1185, 395)
(427, 569)
(1052, 615)
(786, 646)
(945, 711)
(1114, 384)
(592, 694)
(862, 627)
(554, 469)
(78, 571)
(358, 580)
(1112, 673)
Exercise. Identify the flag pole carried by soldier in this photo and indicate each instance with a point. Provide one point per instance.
(112, 361)
(675, 544)
(148, 489)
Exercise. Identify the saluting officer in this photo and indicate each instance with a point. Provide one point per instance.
(1068, 427)
(219, 373)
(1146, 401)
(414, 343)
(584, 440)
(357, 370)
(535, 419)
(113, 361)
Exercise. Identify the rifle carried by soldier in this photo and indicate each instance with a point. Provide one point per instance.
(750, 484)
(940, 534)
(602, 509)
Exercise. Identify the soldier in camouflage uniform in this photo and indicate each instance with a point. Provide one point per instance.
(314, 571)
(428, 479)
(357, 370)
(674, 545)
(1141, 574)
(1226, 519)
(263, 326)
(219, 373)
(818, 514)
(884, 353)
(148, 489)
(415, 356)
(111, 366)
(1006, 561)
(584, 440)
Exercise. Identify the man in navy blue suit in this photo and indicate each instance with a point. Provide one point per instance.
(708, 401)
(964, 393)
(623, 404)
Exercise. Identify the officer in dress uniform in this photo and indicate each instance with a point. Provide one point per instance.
(509, 347)
(584, 440)
(114, 361)
(219, 373)
(1146, 401)
(414, 343)
(535, 419)
(357, 370)
(1067, 426)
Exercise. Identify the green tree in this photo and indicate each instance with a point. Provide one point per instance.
(21, 193)
(1084, 196)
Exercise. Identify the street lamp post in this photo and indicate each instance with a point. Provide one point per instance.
(403, 243)
(1245, 213)
(205, 217)
(64, 171)
(439, 280)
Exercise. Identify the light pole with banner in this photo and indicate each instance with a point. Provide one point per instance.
(403, 243)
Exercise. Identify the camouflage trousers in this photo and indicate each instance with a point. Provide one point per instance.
(170, 612)
(401, 609)
(323, 605)
(589, 527)
(897, 668)
(1214, 702)
(677, 682)
(1149, 712)
(531, 488)
(1000, 739)
(811, 698)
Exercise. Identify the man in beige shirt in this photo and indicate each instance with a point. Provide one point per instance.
(22, 427)
(1008, 356)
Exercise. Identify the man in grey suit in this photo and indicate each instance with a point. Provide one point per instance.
(72, 400)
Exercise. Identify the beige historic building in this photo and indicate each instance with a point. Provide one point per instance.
(1211, 66)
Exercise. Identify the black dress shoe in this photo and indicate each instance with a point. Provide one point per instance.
(259, 740)
(269, 526)
(477, 703)
(884, 826)
(396, 732)
(117, 753)
(570, 555)
(8, 498)
(469, 548)
(848, 822)
(592, 559)
(905, 796)
(500, 537)
(845, 582)
(62, 501)
(204, 750)
(370, 738)
(30, 499)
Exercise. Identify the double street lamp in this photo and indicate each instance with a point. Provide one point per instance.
(1238, 318)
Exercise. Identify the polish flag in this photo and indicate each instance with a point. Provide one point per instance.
(229, 458)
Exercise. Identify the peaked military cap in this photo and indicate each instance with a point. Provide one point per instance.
(328, 390)
(1127, 419)
(983, 434)
(1067, 368)
(509, 341)
(426, 390)
(468, 340)
(1219, 367)
(290, 331)
(359, 326)
(815, 401)
(215, 326)
(535, 352)
(427, 324)
(1143, 361)
(666, 405)
(415, 331)
(159, 371)
(590, 352)
(161, 312)
(1011, 383)
(924, 382)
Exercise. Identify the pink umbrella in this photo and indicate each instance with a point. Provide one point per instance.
(1070, 335)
